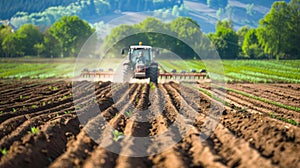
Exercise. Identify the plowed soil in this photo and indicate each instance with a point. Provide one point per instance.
(246, 135)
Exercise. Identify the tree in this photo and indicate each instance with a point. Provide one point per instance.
(174, 36)
(293, 30)
(52, 47)
(225, 40)
(71, 33)
(273, 31)
(121, 37)
(4, 32)
(241, 33)
(225, 24)
(22, 42)
(29, 36)
(250, 47)
(39, 47)
(188, 30)
(12, 45)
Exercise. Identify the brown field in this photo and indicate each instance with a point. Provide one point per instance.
(246, 134)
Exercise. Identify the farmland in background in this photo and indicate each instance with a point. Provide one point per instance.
(253, 71)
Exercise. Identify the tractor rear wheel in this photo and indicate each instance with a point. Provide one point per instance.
(153, 74)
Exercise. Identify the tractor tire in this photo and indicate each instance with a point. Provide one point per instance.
(127, 73)
(153, 74)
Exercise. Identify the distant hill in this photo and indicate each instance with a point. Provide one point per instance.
(206, 12)
(11, 7)
(90, 10)
(241, 12)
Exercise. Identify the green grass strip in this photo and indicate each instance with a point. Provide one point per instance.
(290, 121)
(214, 97)
(272, 115)
(264, 100)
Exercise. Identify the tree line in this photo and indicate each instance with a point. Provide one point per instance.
(64, 38)
(276, 37)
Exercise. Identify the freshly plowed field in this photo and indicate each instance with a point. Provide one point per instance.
(248, 132)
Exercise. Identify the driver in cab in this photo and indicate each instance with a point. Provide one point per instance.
(140, 59)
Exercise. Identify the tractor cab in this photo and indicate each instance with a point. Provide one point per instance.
(140, 54)
(140, 63)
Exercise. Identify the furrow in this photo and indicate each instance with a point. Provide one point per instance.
(38, 150)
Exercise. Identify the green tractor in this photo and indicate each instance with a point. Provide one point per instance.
(140, 64)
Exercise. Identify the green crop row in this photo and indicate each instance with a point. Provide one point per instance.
(255, 71)
(261, 99)
(272, 115)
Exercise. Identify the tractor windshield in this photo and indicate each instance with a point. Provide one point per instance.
(141, 55)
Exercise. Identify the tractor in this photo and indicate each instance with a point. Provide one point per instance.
(140, 64)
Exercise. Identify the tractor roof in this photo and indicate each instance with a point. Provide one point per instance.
(140, 46)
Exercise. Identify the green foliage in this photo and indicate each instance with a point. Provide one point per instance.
(30, 36)
(290, 121)
(12, 45)
(264, 100)
(71, 33)
(51, 47)
(39, 48)
(228, 24)
(152, 86)
(254, 71)
(22, 42)
(175, 36)
(129, 113)
(4, 151)
(4, 32)
(34, 106)
(279, 31)
(34, 130)
(225, 40)
(117, 135)
(68, 112)
(241, 33)
(213, 96)
(251, 47)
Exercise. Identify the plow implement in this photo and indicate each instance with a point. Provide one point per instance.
(182, 75)
(162, 76)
